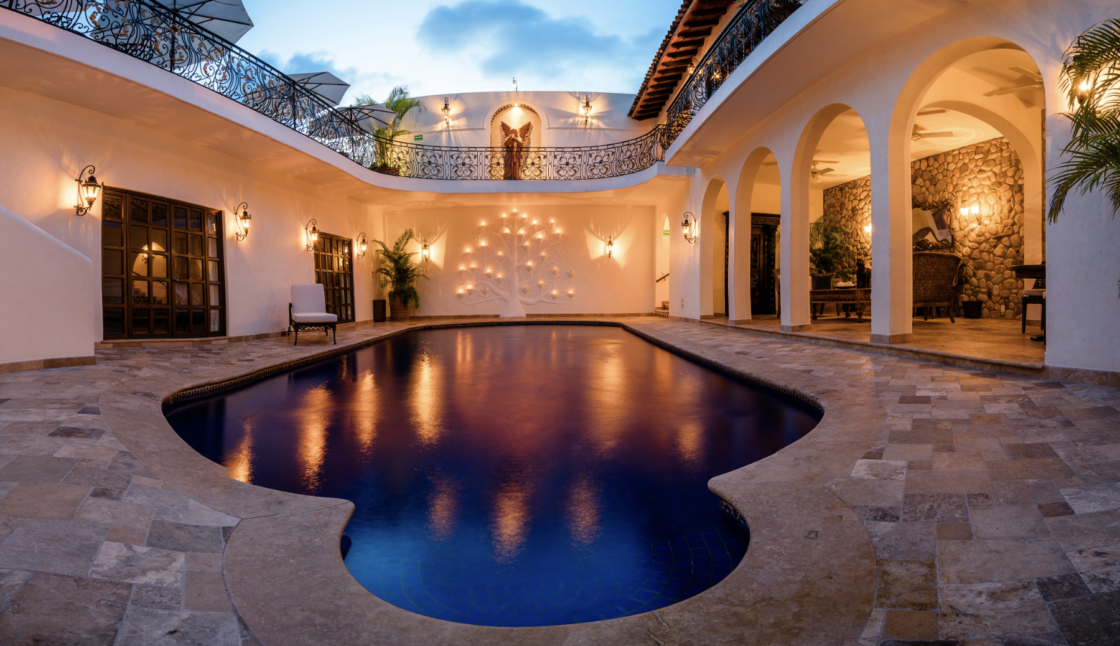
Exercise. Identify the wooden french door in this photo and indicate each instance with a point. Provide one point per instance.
(161, 268)
(335, 272)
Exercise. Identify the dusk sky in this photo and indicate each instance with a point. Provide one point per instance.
(456, 46)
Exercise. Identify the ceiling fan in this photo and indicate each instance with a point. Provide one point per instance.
(1033, 82)
(815, 172)
(920, 134)
(818, 173)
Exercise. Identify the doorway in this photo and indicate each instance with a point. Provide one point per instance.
(161, 273)
(334, 271)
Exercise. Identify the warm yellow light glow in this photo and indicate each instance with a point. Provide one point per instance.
(504, 215)
(583, 511)
(468, 249)
(442, 508)
(426, 402)
(867, 229)
(510, 521)
(240, 461)
(313, 416)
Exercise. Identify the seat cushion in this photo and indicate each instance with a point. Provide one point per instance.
(1034, 292)
(309, 317)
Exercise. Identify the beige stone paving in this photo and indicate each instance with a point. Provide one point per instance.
(992, 502)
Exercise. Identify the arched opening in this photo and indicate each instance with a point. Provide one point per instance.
(515, 129)
(825, 244)
(970, 123)
(714, 251)
(756, 217)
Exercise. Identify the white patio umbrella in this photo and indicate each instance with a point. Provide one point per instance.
(371, 117)
(325, 84)
(226, 18)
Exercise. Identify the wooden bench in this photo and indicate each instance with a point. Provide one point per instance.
(850, 299)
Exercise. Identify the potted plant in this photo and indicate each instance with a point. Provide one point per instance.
(828, 245)
(402, 104)
(397, 271)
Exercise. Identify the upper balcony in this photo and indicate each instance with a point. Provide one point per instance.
(148, 32)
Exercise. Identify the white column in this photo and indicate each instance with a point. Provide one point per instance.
(892, 259)
(739, 274)
(795, 251)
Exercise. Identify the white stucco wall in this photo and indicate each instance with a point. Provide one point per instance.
(45, 295)
(47, 142)
(622, 284)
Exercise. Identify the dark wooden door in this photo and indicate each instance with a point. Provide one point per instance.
(161, 273)
(335, 272)
(764, 240)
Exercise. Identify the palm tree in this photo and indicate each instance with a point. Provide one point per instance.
(402, 104)
(1091, 78)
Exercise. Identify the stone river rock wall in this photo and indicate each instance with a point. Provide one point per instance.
(987, 174)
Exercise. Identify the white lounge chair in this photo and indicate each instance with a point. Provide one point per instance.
(308, 311)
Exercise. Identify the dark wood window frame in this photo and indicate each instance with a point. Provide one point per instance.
(334, 270)
(163, 267)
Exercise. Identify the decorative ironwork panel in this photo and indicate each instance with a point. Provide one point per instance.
(754, 22)
(152, 33)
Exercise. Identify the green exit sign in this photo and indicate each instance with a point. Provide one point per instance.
(418, 138)
(666, 232)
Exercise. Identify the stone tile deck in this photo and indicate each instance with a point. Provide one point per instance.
(932, 503)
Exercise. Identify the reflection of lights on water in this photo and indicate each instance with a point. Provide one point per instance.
(313, 418)
(583, 511)
(689, 442)
(365, 423)
(443, 504)
(425, 399)
(510, 522)
(240, 461)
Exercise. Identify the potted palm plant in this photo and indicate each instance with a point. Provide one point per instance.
(402, 104)
(397, 271)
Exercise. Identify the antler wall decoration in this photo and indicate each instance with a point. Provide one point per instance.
(515, 259)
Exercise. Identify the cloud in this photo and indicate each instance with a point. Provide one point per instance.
(510, 38)
(375, 84)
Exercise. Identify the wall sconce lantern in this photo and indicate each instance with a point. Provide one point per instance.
(312, 234)
(867, 229)
(1084, 91)
(425, 251)
(446, 112)
(362, 245)
(586, 109)
(242, 221)
(88, 190)
(610, 247)
(691, 228)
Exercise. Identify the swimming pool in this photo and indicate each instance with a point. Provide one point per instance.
(522, 475)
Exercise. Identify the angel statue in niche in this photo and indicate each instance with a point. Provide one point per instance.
(515, 141)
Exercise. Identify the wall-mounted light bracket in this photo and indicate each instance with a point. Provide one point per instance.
(312, 234)
(610, 247)
(446, 112)
(362, 245)
(586, 110)
(425, 251)
(691, 228)
(88, 190)
(242, 221)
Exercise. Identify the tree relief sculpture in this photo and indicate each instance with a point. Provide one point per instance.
(517, 260)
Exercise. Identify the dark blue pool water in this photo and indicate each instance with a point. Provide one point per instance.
(509, 476)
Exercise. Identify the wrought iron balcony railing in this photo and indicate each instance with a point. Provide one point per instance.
(754, 22)
(152, 33)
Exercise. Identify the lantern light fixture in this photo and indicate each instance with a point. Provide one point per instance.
(243, 220)
(586, 110)
(425, 251)
(312, 232)
(446, 112)
(610, 247)
(867, 229)
(1084, 91)
(363, 245)
(691, 228)
(88, 190)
